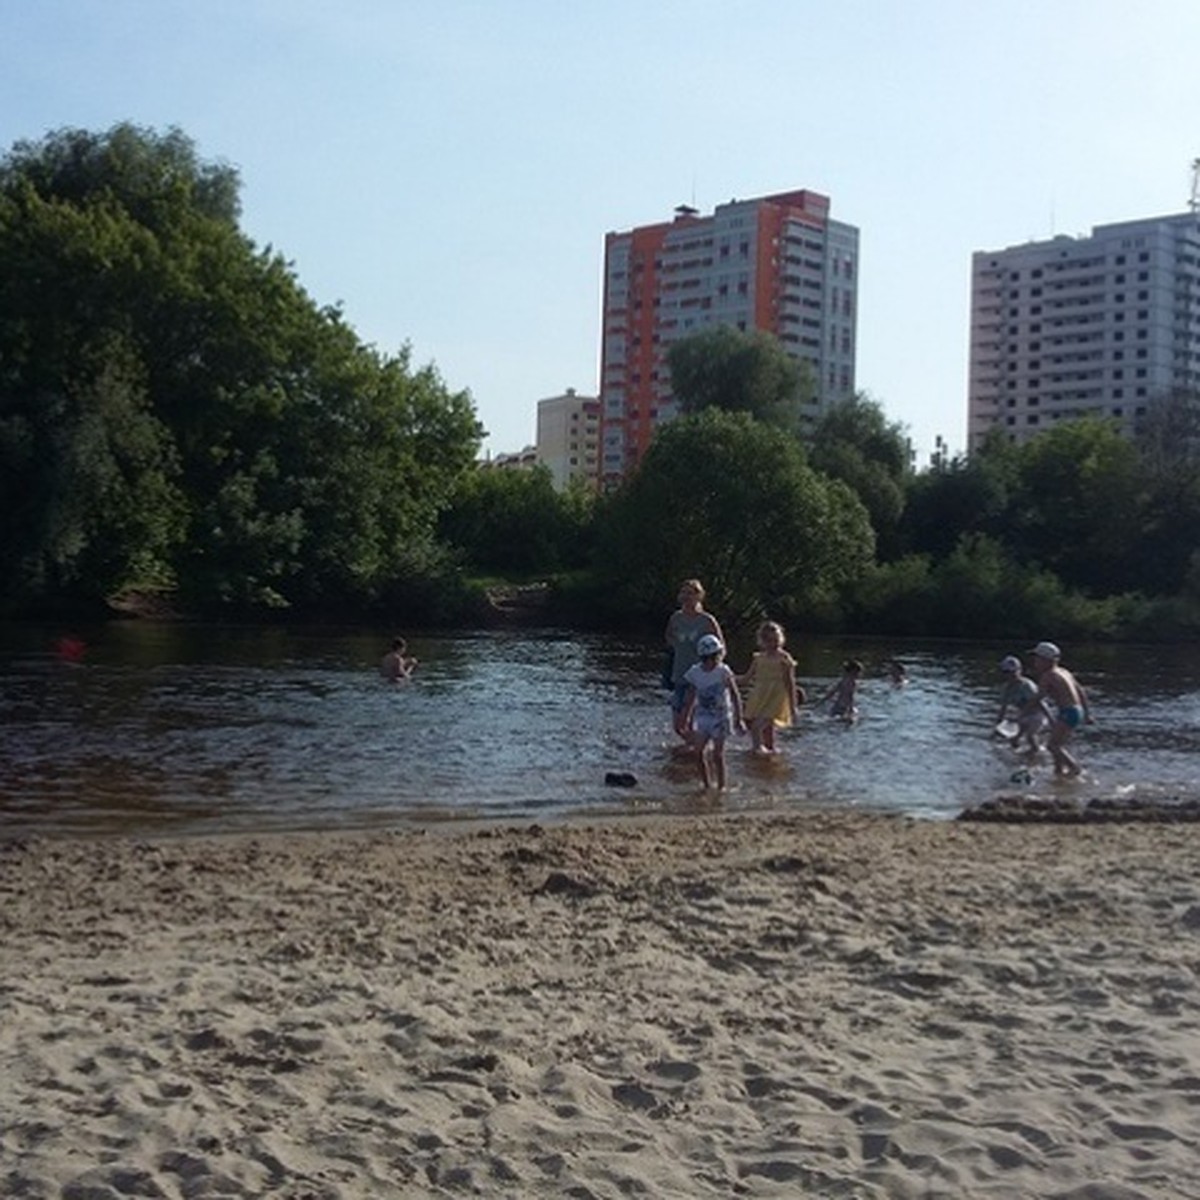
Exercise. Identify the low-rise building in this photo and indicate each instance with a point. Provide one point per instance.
(568, 438)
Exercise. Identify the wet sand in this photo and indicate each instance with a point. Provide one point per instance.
(825, 1005)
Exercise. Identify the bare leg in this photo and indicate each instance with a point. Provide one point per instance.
(756, 735)
(768, 735)
(719, 762)
(1064, 762)
(702, 761)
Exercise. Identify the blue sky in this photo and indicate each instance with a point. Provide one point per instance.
(446, 169)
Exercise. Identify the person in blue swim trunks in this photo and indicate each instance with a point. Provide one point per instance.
(1063, 690)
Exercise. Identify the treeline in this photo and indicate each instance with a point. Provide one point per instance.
(177, 415)
(179, 420)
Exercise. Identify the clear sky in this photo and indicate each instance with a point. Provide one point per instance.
(446, 169)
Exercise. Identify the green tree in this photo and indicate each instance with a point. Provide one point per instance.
(1168, 444)
(513, 522)
(154, 178)
(173, 405)
(90, 483)
(722, 367)
(1076, 507)
(723, 497)
(853, 441)
(968, 495)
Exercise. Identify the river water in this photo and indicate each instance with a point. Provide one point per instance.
(202, 729)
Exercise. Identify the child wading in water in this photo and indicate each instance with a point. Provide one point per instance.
(713, 709)
(844, 693)
(1063, 690)
(397, 665)
(1021, 693)
(772, 697)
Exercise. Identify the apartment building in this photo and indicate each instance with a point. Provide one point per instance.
(568, 438)
(1075, 326)
(776, 263)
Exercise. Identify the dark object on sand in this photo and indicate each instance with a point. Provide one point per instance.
(620, 779)
(1015, 810)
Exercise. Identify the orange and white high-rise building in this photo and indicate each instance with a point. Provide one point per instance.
(776, 263)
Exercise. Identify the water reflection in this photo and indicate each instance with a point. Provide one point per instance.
(214, 728)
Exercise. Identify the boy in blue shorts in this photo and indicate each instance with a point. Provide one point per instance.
(1062, 689)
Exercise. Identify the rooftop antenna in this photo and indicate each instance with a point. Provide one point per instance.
(1194, 199)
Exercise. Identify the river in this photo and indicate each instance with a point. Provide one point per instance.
(210, 729)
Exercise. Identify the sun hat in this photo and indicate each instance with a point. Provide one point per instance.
(1047, 650)
(1010, 662)
(709, 644)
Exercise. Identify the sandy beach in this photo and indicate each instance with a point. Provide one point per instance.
(702, 1006)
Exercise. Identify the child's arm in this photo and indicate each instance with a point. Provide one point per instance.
(689, 706)
(789, 672)
(748, 678)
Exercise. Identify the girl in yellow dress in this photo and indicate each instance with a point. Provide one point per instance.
(772, 697)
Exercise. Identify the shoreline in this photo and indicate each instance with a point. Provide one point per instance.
(750, 1004)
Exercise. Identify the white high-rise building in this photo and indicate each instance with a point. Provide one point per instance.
(1075, 326)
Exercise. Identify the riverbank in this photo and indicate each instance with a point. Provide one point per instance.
(829, 1005)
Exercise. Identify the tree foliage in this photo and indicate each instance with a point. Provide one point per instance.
(853, 441)
(1075, 506)
(515, 523)
(724, 497)
(175, 409)
(964, 496)
(722, 367)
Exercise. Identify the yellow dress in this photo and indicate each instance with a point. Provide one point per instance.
(767, 684)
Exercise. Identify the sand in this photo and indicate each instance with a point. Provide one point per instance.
(823, 1005)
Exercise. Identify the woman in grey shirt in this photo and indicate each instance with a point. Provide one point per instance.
(686, 626)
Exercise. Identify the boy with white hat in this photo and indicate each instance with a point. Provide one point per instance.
(1063, 690)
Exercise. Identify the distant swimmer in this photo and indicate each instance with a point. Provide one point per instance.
(844, 693)
(70, 649)
(397, 665)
